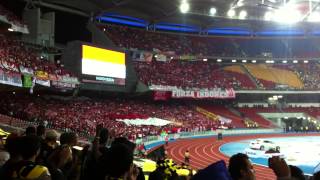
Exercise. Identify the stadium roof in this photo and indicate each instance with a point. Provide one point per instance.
(249, 14)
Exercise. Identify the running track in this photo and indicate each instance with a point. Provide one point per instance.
(205, 151)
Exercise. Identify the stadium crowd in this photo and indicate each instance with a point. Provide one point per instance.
(82, 115)
(201, 75)
(27, 57)
(196, 45)
(206, 75)
(140, 39)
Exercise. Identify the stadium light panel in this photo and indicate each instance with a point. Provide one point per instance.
(233, 60)
(314, 17)
(205, 59)
(295, 61)
(305, 61)
(287, 15)
(231, 13)
(268, 16)
(184, 7)
(244, 61)
(213, 11)
(219, 60)
(284, 62)
(253, 61)
(243, 14)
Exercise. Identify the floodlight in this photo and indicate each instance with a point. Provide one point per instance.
(231, 13)
(184, 7)
(268, 16)
(243, 14)
(288, 15)
(314, 17)
(213, 11)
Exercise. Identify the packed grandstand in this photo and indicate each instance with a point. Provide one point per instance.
(192, 105)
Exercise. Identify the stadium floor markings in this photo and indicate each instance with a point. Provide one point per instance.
(194, 159)
(260, 170)
(175, 152)
(200, 158)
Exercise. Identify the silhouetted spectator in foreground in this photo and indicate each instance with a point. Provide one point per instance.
(27, 168)
(70, 139)
(41, 131)
(240, 167)
(118, 163)
(30, 131)
(58, 160)
(296, 173)
(13, 146)
(48, 145)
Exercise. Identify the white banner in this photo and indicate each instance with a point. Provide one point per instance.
(146, 122)
(43, 82)
(25, 70)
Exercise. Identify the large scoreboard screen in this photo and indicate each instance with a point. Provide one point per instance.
(100, 68)
(100, 65)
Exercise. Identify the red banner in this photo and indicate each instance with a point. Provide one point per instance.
(161, 95)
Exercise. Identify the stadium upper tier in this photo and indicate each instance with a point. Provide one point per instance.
(208, 75)
(199, 45)
(16, 57)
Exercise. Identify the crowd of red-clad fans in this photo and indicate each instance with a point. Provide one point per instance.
(191, 75)
(83, 115)
(182, 45)
(15, 54)
(206, 75)
(196, 45)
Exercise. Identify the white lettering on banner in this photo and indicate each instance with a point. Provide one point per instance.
(215, 93)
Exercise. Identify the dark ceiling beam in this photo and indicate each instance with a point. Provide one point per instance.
(235, 2)
(58, 7)
(165, 14)
(120, 2)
